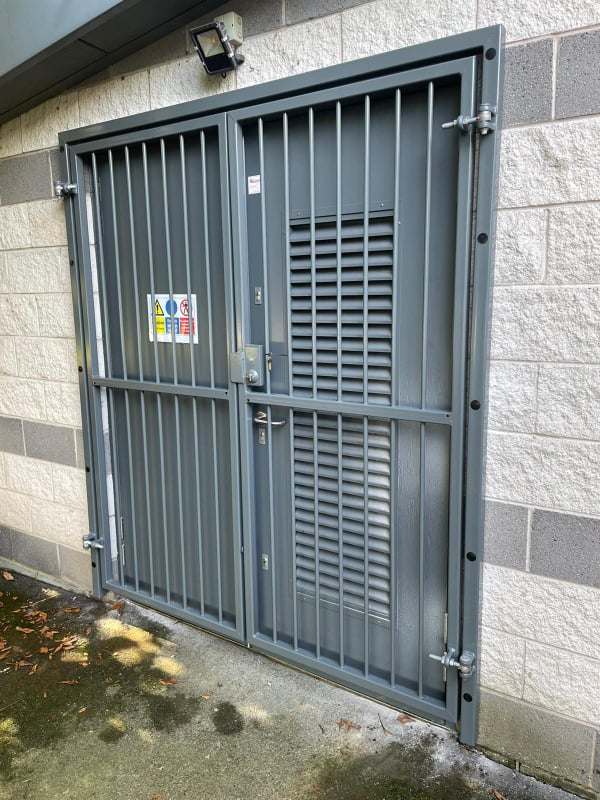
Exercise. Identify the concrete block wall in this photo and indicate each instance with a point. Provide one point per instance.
(539, 664)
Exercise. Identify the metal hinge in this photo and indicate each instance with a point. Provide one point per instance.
(91, 542)
(64, 189)
(465, 664)
(485, 120)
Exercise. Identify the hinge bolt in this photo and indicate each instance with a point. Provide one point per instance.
(64, 189)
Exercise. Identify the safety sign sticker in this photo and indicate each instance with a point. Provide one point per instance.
(168, 313)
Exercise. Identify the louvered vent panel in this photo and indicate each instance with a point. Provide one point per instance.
(340, 501)
(320, 314)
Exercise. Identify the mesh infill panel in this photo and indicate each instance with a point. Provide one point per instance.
(362, 321)
(335, 489)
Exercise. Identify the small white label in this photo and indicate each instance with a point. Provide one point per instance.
(253, 184)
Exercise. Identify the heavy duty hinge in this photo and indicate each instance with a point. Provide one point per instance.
(485, 120)
(64, 189)
(465, 664)
(91, 542)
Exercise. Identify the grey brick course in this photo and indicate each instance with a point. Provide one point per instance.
(57, 165)
(5, 543)
(11, 436)
(505, 535)
(566, 547)
(25, 178)
(545, 744)
(528, 83)
(578, 75)
(50, 443)
(34, 553)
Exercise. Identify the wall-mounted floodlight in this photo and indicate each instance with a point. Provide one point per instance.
(215, 47)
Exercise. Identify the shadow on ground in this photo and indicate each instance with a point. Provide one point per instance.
(104, 701)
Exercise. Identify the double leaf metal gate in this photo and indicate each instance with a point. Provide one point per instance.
(274, 303)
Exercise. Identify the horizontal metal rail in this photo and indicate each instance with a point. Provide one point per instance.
(163, 388)
(403, 413)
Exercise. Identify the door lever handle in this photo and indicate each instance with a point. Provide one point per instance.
(262, 419)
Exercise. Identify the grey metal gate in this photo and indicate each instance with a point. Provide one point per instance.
(159, 294)
(354, 262)
(277, 305)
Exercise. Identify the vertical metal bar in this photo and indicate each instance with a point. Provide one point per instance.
(198, 507)
(157, 380)
(313, 260)
(286, 217)
(147, 487)
(395, 388)
(263, 235)
(117, 494)
(180, 504)
(211, 356)
(150, 260)
(113, 203)
(163, 496)
(134, 527)
(340, 499)
(427, 247)
(366, 201)
(217, 506)
(317, 548)
(293, 520)
(367, 178)
(422, 477)
(286, 203)
(272, 524)
(366, 544)
(186, 238)
(422, 471)
(393, 524)
(340, 330)
(163, 164)
(100, 252)
(103, 290)
(338, 243)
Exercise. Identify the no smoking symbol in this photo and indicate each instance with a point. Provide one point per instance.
(184, 308)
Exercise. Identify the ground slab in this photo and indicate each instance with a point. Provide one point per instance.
(113, 702)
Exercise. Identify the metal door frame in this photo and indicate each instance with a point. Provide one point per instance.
(487, 44)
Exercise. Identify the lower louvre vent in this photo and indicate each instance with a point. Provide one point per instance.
(342, 513)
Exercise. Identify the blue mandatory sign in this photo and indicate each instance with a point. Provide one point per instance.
(171, 307)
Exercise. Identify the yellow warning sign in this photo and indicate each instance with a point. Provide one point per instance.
(158, 309)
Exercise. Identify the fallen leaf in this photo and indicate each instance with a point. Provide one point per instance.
(316, 789)
(82, 709)
(205, 697)
(169, 681)
(88, 631)
(50, 634)
(385, 730)
(45, 695)
(19, 664)
(345, 723)
(117, 607)
(26, 631)
(74, 610)
(69, 683)
(32, 670)
(158, 796)
(497, 795)
(43, 649)
(7, 576)
(404, 718)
